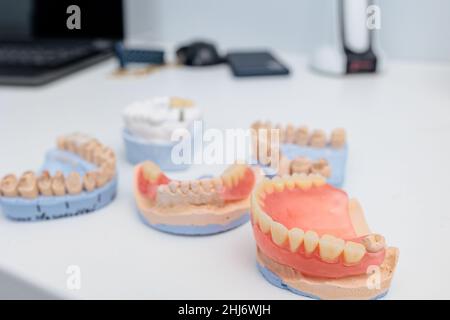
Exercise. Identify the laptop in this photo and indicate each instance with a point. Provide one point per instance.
(43, 40)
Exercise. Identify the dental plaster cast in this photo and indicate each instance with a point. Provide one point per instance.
(78, 177)
(314, 241)
(195, 207)
(297, 143)
(149, 129)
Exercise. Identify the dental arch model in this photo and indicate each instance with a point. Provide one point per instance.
(78, 177)
(149, 126)
(314, 241)
(299, 142)
(196, 207)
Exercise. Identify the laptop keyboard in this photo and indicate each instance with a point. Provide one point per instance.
(42, 55)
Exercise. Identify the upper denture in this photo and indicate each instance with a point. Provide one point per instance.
(302, 222)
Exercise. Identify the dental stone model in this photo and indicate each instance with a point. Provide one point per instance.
(149, 126)
(314, 241)
(196, 207)
(78, 177)
(298, 142)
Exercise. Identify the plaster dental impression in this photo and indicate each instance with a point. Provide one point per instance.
(149, 129)
(78, 177)
(314, 241)
(195, 207)
(295, 143)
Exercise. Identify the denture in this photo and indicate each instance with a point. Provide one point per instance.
(314, 241)
(194, 207)
(78, 177)
(150, 125)
(303, 143)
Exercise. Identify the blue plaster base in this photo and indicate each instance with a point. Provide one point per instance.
(194, 230)
(46, 208)
(276, 281)
(336, 158)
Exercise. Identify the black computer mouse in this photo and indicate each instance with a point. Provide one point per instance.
(199, 53)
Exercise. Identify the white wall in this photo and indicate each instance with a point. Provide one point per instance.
(412, 29)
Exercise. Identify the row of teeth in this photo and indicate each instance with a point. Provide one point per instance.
(88, 148)
(30, 186)
(198, 192)
(307, 166)
(301, 135)
(195, 192)
(330, 248)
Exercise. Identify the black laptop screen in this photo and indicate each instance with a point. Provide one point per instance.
(48, 19)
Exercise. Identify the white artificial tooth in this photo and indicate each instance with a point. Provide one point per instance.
(317, 180)
(256, 210)
(264, 222)
(228, 181)
(279, 233)
(330, 248)
(353, 252)
(268, 186)
(195, 186)
(310, 241)
(173, 186)
(303, 181)
(184, 186)
(278, 184)
(235, 179)
(150, 171)
(289, 182)
(259, 189)
(295, 238)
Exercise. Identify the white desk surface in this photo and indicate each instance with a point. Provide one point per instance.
(399, 168)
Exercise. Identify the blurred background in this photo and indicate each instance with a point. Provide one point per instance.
(410, 29)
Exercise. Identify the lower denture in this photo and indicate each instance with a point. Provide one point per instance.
(320, 210)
